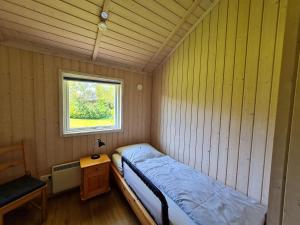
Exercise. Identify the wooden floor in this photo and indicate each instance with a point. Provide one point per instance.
(67, 209)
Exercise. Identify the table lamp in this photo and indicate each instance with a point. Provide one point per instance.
(100, 143)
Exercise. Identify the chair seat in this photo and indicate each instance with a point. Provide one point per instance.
(16, 189)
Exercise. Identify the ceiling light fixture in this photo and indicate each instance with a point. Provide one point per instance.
(102, 26)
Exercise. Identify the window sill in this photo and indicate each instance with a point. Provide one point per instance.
(89, 132)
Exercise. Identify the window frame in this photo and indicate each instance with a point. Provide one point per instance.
(63, 105)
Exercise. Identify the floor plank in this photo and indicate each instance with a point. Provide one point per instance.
(67, 209)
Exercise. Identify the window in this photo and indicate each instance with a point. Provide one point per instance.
(90, 104)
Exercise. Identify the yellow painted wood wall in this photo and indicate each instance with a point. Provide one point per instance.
(284, 198)
(291, 208)
(214, 99)
(29, 108)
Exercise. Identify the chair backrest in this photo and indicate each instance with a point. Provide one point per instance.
(14, 162)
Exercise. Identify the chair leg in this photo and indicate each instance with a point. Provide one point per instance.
(1, 218)
(44, 204)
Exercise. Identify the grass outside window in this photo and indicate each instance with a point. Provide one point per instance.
(76, 123)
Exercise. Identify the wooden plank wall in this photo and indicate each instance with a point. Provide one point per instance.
(29, 108)
(214, 99)
(285, 183)
(292, 196)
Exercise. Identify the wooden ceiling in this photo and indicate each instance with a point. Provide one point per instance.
(140, 34)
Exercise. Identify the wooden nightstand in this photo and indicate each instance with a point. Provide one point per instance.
(94, 176)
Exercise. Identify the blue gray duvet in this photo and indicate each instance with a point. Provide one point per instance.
(204, 200)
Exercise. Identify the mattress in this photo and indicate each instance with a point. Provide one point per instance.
(117, 161)
(152, 203)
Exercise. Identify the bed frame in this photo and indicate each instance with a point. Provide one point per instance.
(136, 205)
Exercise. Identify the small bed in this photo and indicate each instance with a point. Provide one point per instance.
(144, 196)
(142, 174)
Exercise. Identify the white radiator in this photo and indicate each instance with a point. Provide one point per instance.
(65, 176)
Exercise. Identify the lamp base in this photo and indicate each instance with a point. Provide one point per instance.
(95, 156)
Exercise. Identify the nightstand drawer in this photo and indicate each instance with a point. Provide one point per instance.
(97, 170)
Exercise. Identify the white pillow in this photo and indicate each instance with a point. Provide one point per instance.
(138, 152)
(137, 147)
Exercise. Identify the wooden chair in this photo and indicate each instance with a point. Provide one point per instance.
(24, 189)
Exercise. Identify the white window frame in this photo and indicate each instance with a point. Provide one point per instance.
(65, 130)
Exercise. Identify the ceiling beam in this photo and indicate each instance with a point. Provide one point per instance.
(178, 26)
(100, 33)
